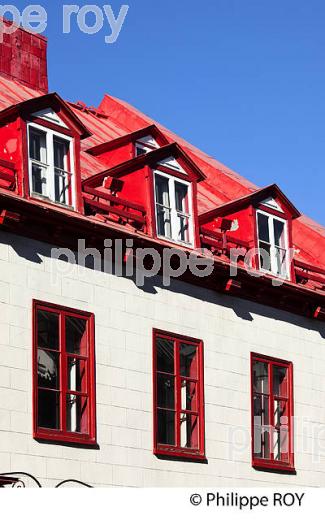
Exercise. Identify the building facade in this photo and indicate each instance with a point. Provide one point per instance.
(161, 318)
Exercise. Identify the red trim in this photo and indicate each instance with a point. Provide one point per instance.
(51, 126)
(152, 130)
(53, 100)
(176, 451)
(254, 198)
(152, 159)
(62, 435)
(271, 463)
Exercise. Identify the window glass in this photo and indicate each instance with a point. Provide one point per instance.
(165, 355)
(188, 360)
(280, 381)
(261, 377)
(166, 427)
(263, 227)
(173, 216)
(48, 407)
(163, 207)
(48, 330)
(50, 165)
(77, 414)
(76, 335)
(272, 244)
(62, 176)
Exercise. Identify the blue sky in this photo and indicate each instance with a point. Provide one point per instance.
(244, 80)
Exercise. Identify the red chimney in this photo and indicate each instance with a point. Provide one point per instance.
(23, 57)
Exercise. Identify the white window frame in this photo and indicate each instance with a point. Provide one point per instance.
(174, 218)
(273, 248)
(50, 136)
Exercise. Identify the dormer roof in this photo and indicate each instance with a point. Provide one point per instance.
(270, 195)
(36, 105)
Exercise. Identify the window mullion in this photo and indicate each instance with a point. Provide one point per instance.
(272, 248)
(271, 410)
(177, 393)
(63, 394)
(51, 172)
(172, 201)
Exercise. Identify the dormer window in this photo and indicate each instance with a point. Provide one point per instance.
(173, 208)
(273, 244)
(145, 145)
(50, 165)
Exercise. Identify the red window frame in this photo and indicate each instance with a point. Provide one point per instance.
(271, 463)
(177, 450)
(62, 434)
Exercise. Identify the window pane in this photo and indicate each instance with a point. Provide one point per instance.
(165, 355)
(189, 431)
(281, 261)
(183, 229)
(48, 369)
(181, 197)
(39, 179)
(140, 151)
(265, 256)
(166, 427)
(37, 146)
(189, 396)
(261, 427)
(77, 379)
(61, 150)
(263, 227)
(188, 360)
(165, 391)
(280, 381)
(48, 408)
(260, 377)
(281, 432)
(163, 206)
(164, 228)
(47, 330)
(162, 191)
(76, 335)
(77, 414)
(279, 235)
(62, 182)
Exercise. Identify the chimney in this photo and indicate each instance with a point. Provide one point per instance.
(23, 58)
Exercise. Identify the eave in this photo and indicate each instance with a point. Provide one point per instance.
(63, 228)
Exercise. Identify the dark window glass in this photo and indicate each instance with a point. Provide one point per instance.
(48, 408)
(166, 427)
(76, 336)
(165, 355)
(48, 330)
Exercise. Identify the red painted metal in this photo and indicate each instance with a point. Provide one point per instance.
(109, 132)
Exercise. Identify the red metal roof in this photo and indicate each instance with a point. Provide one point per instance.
(117, 118)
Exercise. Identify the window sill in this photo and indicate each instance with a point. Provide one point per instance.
(188, 245)
(177, 453)
(43, 198)
(273, 467)
(57, 437)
